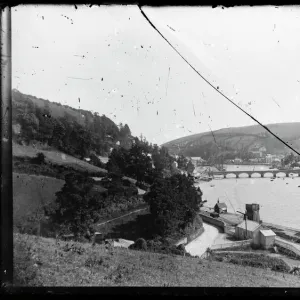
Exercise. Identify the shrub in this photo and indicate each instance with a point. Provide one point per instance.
(25, 272)
(39, 159)
(181, 247)
(140, 244)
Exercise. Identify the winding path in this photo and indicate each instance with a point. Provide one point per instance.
(199, 245)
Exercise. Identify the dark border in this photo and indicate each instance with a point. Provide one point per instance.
(6, 183)
(6, 152)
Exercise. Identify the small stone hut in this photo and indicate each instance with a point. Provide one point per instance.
(267, 238)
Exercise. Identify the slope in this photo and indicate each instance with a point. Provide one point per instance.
(236, 139)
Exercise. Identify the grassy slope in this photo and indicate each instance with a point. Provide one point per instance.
(55, 156)
(122, 267)
(29, 191)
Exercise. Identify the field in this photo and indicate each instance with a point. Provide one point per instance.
(43, 262)
(29, 191)
(56, 157)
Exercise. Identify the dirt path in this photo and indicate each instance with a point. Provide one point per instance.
(133, 212)
(205, 240)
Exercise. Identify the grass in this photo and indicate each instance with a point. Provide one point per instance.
(55, 157)
(253, 260)
(30, 191)
(45, 262)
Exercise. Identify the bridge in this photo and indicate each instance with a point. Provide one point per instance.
(250, 173)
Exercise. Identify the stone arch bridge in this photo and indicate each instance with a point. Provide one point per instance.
(250, 173)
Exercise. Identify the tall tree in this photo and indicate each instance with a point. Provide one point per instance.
(173, 203)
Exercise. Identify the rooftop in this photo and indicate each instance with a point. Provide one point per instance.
(221, 205)
(267, 232)
(251, 225)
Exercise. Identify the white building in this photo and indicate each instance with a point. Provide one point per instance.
(248, 230)
(267, 238)
(238, 160)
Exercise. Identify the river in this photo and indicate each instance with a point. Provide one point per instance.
(279, 199)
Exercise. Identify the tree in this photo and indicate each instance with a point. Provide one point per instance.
(76, 206)
(173, 203)
(29, 125)
(139, 164)
(182, 162)
(190, 167)
(59, 131)
(118, 160)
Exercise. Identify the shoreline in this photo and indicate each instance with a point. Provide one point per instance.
(281, 227)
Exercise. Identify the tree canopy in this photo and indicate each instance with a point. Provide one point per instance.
(173, 203)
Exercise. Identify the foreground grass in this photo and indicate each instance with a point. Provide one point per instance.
(43, 262)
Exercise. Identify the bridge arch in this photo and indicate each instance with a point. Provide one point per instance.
(281, 173)
(255, 173)
(243, 173)
(268, 173)
(235, 175)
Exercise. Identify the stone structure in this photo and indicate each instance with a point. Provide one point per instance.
(250, 173)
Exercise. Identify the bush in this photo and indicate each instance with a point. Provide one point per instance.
(140, 244)
(39, 159)
(25, 271)
(181, 248)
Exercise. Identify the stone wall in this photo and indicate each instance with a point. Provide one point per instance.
(195, 234)
(212, 221)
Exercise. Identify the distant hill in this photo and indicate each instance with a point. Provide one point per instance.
(237, 140)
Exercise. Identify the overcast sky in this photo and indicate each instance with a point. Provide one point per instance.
(252, 54)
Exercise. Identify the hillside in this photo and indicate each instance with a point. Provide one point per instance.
(45, 262)
(235, 140)
(73, 131)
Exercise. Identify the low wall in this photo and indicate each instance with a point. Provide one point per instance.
(230, 245)
(287, 246)
(213, 221)
(194, 235)
(190, 237)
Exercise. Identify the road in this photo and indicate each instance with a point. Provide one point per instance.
(199, 245)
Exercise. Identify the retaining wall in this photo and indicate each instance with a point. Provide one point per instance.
(190, 237)
(230, 245)
(213, 221)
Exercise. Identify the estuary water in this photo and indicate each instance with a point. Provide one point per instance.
(279, 199)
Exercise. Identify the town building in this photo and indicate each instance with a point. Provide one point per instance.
(267, 238)
(258, 151)
(248, 230)
(220, 208)
(238, 160)
(198, 161)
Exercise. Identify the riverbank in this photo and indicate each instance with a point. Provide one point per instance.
(284, 232)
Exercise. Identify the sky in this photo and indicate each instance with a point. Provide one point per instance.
(118, 65)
